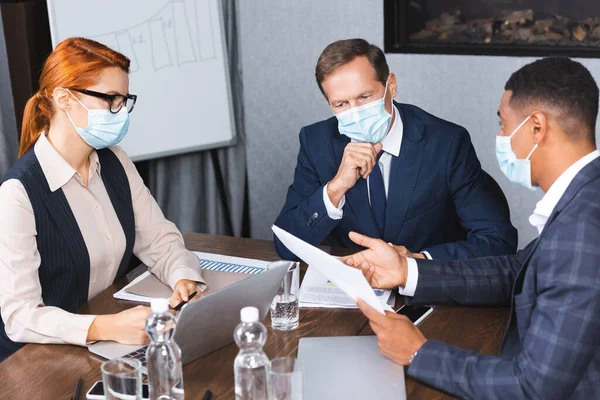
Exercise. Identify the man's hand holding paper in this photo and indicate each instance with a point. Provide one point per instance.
(381, 263)
(383, 266)
(350, 280)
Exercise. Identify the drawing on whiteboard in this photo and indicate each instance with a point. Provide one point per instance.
(179, 33)
(206, 43)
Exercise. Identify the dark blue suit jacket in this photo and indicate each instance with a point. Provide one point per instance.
(551, 349)
(439, 199)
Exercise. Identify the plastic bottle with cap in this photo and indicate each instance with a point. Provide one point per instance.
(251, 366)
(163, 356)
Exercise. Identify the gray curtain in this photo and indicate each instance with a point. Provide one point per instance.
(186, 187)
(8, 123)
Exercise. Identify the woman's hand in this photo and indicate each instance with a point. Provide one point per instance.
(126, 327)
(183, 289)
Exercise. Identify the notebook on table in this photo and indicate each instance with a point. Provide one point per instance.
(218, 272)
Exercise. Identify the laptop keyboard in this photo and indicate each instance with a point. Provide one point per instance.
(139, 354)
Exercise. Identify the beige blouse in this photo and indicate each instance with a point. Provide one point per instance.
(158, 244)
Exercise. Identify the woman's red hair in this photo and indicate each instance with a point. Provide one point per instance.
(75, 62)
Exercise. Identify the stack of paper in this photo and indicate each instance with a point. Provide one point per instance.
(350, 280)
(319, 292)
(123, 294)
(147, 286)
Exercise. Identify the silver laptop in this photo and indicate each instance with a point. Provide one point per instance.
(349, 367)
(207, 324)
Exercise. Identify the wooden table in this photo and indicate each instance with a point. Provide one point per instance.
(50, 371)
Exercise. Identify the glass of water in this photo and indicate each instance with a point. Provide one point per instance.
(285, 313)
(122, 379)
(285, 379)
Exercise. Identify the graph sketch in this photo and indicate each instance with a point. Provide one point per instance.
(179, 33)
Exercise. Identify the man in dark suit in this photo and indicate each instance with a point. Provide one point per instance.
(551, 348)
(389, 170)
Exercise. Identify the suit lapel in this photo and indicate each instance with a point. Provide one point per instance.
(588, 173)
(64, 220)
(358, 196)
(404, 175)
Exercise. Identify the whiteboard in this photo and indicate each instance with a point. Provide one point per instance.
(179, 68)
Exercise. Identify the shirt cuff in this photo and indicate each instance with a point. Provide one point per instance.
(426, 253)
(185, 272)
(76, 331)
(332, 211)
(412, 277)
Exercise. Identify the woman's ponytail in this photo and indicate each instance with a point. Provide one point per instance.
(36, 118)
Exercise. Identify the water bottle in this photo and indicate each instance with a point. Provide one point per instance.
(163, 356)
(251, 366)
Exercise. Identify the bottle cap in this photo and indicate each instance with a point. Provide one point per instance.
(159, 305)
(249, 314)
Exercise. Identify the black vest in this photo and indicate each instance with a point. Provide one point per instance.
(64, 271)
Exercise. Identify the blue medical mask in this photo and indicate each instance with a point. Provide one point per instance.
(366, 123)
(104, 129)
(516, 170)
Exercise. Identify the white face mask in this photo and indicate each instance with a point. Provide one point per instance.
(367, 123)
(104, 129)
(516, 170)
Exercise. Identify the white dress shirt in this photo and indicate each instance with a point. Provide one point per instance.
(538, 219)
(546, 205)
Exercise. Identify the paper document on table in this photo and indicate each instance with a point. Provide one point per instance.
(123, 294)
(218, 271)
(348, 279)
(317, 291)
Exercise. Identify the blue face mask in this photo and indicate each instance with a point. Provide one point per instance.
(516, 170)
(367, 123)
(104, 129)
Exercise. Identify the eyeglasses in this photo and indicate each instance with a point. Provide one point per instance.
(115, 101)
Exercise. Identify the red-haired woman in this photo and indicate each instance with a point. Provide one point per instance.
(74, 209)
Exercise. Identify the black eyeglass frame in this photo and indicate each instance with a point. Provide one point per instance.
(110, 98)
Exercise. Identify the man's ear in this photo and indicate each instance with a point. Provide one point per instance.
(62, 99)
(539, 126)
(392, 85)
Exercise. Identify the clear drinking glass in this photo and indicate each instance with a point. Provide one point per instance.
(122, 379)
(285, 379)
(285, 313)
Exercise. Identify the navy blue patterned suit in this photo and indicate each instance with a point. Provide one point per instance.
(551, 349)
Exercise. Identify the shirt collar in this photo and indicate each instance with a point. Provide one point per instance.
(546, 205)
(393, 140)
(94, 164)
(56, 170)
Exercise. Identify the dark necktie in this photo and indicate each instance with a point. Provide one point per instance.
(377, 192)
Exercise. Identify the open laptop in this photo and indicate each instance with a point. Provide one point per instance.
(207, 324)
(349, 367)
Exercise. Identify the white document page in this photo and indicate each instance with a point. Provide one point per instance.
(317, 291)
(349, 279)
